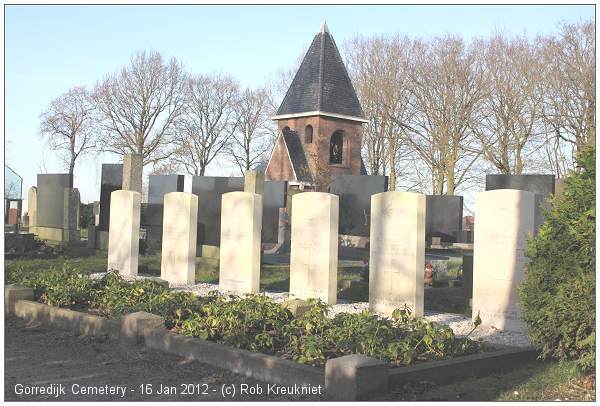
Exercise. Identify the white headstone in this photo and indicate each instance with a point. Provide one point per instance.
(314, 246)
(397, 252)
(124, 234)
(503, 220)
(180, 221)
(32, 206)
(241, 226)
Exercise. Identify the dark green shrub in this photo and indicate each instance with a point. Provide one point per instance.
(559, 292)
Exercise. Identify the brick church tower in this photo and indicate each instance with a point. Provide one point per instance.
(319, 121)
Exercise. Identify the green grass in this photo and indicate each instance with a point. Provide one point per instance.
(535, 380)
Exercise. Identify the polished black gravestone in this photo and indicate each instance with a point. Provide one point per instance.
(443, 217)
(51, 198)
(111, 180)
(542, 185)
(355, 193)
(151, 215)
(210, 190)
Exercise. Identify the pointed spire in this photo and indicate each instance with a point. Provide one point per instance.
(324, 28)
(321, 84)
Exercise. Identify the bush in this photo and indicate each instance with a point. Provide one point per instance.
(558, 292)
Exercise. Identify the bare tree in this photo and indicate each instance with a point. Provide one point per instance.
(205, 128)
(379, 70)
(250, 143)
(138, 106)
(67, 125)
(507, 123)
(446, 86)
(570, 83)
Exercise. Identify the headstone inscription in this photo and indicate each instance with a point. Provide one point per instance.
(124, 232)
(397, 252)
(178, 256)
(239, 262)
(314, 246)
(504, 219)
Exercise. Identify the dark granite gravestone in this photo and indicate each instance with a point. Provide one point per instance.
(111, 180)
(274, 198)
(355, 201)
(542, 185)
(159, 185)
(467, 271)
(539, 184)
(151, 215)
(51, 199)
(443, 217)
(210, 189)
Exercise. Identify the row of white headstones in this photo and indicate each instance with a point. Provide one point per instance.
(504, 219)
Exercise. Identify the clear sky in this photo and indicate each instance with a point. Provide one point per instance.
(49, 49)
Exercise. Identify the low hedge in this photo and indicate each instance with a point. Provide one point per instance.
(254, 322)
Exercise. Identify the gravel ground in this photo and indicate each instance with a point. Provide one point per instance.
(39, 357)
(460, 324)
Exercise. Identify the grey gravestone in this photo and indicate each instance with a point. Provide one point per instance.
(274, 196)
(132, 172)
(159, 185)
(467, 270)
(51, 199)
(443, 217)
(355, 193)
(210, 189)
(542, 185)
(111, 180)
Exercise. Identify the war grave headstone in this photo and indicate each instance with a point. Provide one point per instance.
(314, 246)
(239, 262)
(504, 219)
(210, 190)
(542, 185)
(397, 252)
(444, 218)
(178, 256)
(124, 232)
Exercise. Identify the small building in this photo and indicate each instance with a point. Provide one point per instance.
(319, 122)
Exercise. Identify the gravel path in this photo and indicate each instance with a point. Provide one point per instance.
(460, 324)
(39, 357)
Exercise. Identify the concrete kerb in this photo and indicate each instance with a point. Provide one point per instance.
(256, 365)
(352, 377)
(452, 370)
(14, 293)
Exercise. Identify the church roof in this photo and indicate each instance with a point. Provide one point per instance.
(321, 85)
(297, 156)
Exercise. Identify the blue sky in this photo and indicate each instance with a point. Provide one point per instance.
(49, 49)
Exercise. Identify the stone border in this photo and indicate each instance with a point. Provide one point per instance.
(352, 377)
(451, 370)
